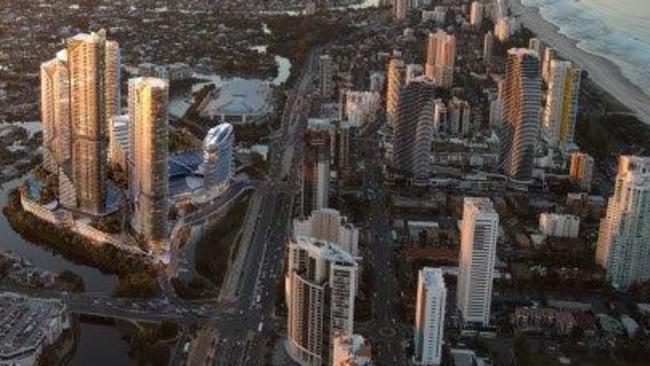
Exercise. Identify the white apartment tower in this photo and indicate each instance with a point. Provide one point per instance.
(441, 55)
(321, 277)
(624, 238)
(429, 317)
(329, 225)
(559, 118)
(148, 159)
(478, 245)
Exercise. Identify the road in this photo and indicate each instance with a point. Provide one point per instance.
(158, 309)
(384, 330)
(257, 280)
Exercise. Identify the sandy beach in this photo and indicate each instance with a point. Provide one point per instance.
(602, 71)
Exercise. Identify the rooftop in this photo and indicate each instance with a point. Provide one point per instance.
(24, 322)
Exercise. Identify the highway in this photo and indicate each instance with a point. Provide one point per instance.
(258, 278)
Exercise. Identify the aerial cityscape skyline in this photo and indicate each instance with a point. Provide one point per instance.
(337, 182)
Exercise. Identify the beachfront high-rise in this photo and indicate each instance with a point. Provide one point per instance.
(92, 61)
(320, 287)
(429, 317)
(148, 159)
(560, 113)
(522, 90)
(315, 177)
(396, 79)
(413, 128)
(478, 247)
(55, 112)
(624, 238)
(441, 56)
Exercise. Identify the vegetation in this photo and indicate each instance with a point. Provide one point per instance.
(150, 344)
(214, 250)
(141, 284)
(77, 248)
(194, 289)
(73, 280)
(294, 37)
(181, 139)
(109, 224)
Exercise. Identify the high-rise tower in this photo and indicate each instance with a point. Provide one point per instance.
(148, 159)
(430, 317)
(413, 125)
(55, 111)
(93, 96)
(624, 238)
(320, 287)
(441, 55)
(396, 80)
(559, 118)
(315, 175)
(521, 113)
(478, 246)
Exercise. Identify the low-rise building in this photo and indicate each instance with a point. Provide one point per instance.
(351, 350)
(27, 326)
(558, 225)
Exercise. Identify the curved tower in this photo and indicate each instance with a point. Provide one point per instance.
(218, 157)
(522, 105)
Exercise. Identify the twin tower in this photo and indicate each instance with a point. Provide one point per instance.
(80, 96)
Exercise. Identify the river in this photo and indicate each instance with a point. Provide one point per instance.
(94, 280)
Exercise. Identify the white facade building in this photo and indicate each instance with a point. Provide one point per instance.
(329, 225)
(559, 226)
(218, 157)
(624, 238)
(321, 276)
(478, 246)
(361, 107)
(430, 317)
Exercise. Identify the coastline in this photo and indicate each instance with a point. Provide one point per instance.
(605, 73)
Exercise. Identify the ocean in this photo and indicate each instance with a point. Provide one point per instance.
(618, 30)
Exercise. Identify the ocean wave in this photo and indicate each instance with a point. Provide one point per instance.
(607, 31)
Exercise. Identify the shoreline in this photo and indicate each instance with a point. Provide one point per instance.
(603, 72)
